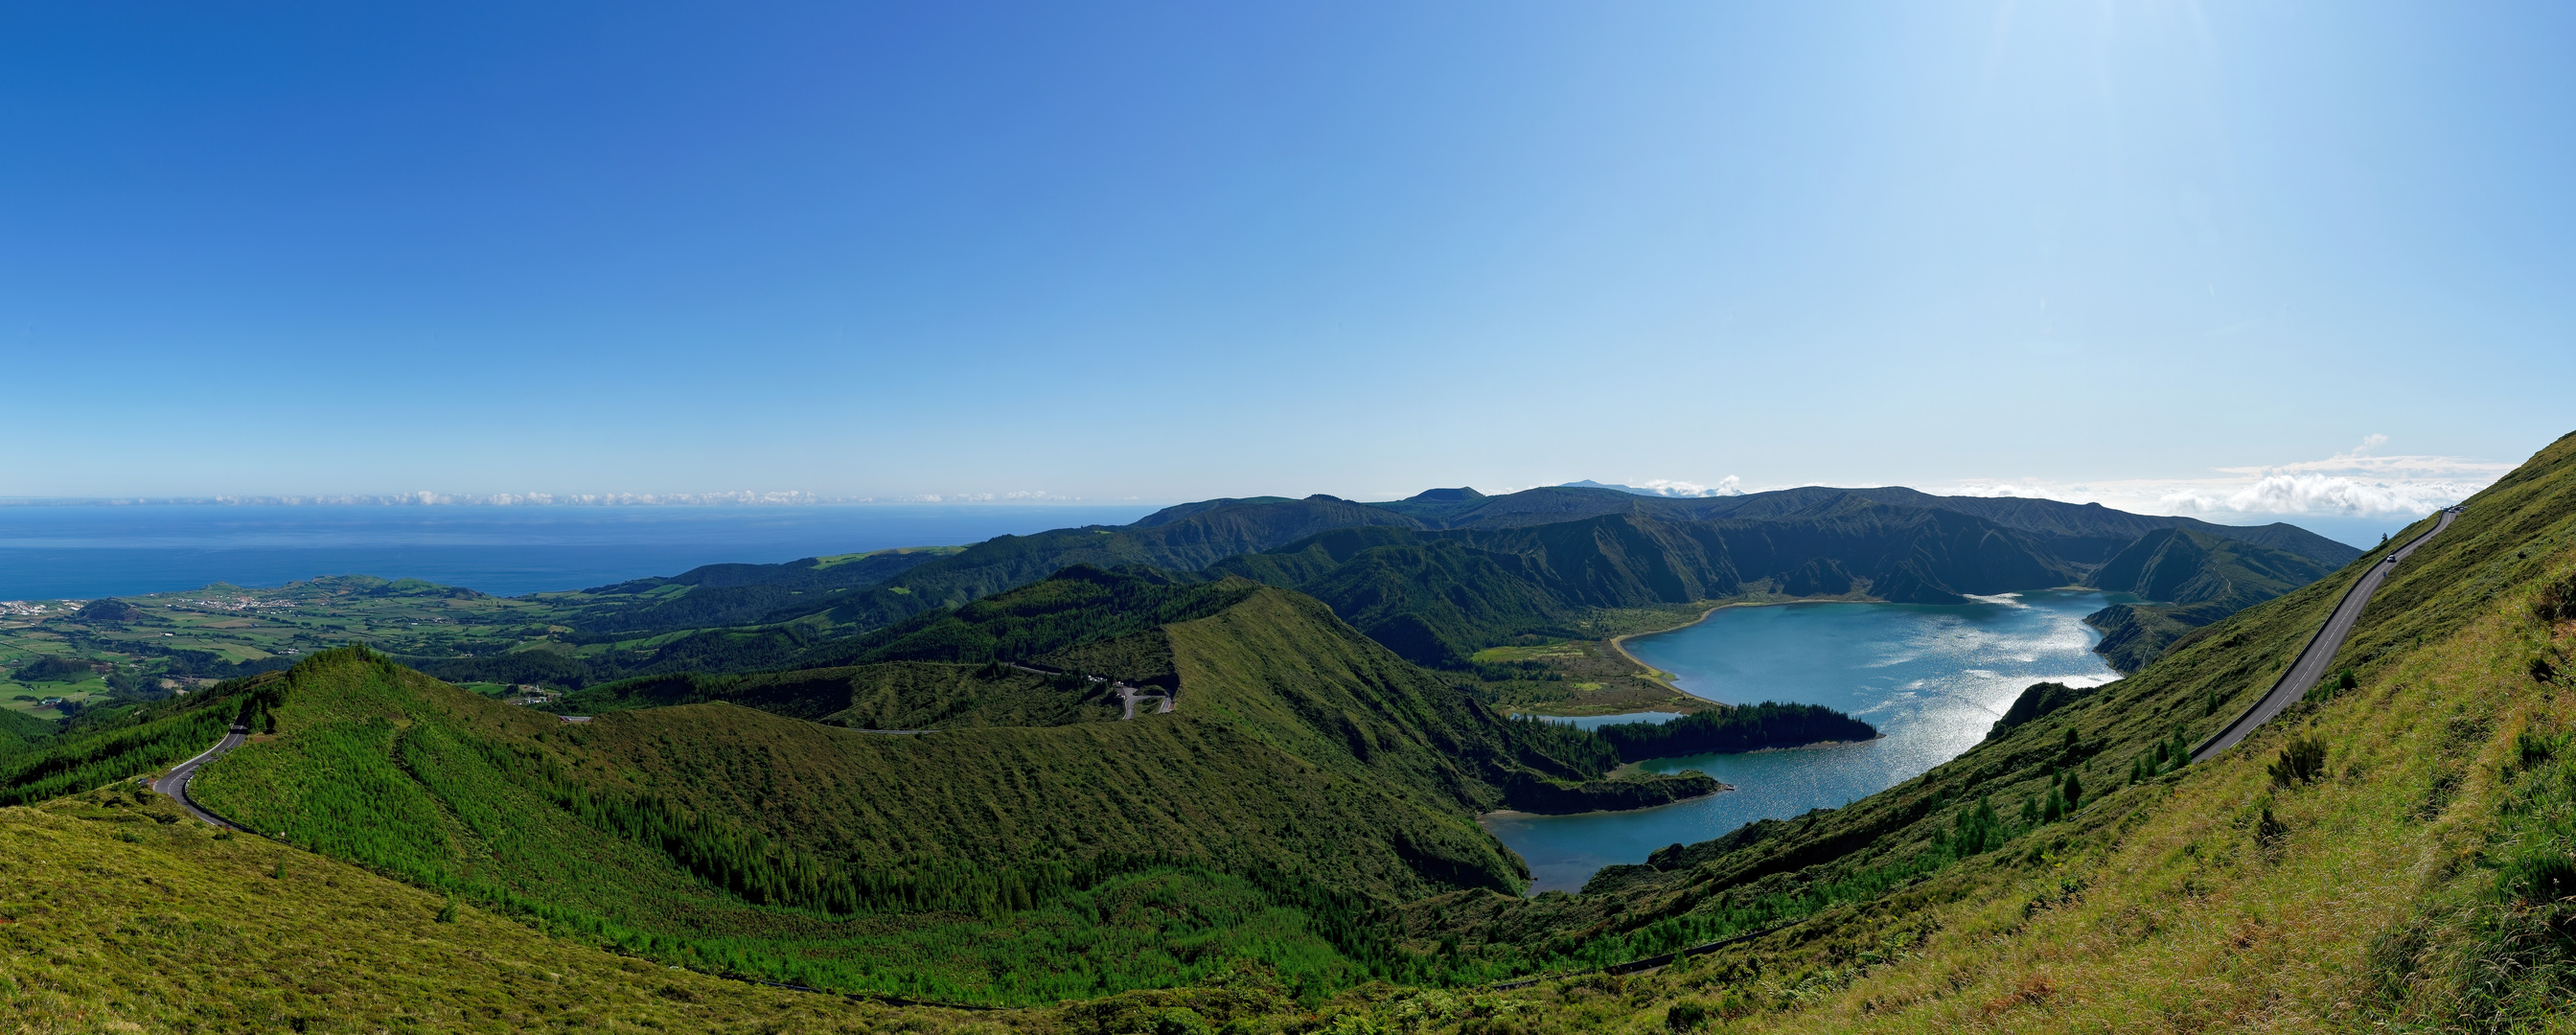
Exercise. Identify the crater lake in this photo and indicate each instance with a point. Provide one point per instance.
(1931, 678)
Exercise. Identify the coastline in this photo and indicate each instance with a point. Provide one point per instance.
(1636, 768)
(1620, 643)
(1722, 788)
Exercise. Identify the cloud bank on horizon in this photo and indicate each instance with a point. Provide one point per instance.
(2354, 483)
(1666, 487)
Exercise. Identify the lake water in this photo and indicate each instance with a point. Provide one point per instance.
(1932, 679)
(88, 551)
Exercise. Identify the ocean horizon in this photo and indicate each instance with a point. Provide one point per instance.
(87, 551)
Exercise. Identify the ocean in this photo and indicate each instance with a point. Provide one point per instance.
(82, 552)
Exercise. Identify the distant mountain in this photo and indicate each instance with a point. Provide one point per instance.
(888, 587)
(1438, 596)
(1525, 562)
(741, 594)
(2085, 533)
(1183, 538)
(2194, 579)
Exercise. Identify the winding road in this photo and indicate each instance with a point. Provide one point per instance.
(2311, 666)
(175, 783)
(1165, 702)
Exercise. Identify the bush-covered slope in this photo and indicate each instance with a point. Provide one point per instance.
(1307, 774)
(959, 867)
(108, 745)
(21, 732)
(892, 695)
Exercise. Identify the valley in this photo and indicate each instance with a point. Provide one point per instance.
(1295, 845)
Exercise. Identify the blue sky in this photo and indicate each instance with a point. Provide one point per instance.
(2214, 258)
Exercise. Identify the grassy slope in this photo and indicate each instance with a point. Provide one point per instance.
(2396, 889)
(1304, 761)
(448, 790)
(118, 916)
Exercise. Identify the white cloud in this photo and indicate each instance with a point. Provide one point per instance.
(1727, 486)
(2352, 483)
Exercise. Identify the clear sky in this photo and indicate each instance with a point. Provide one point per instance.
(2148, 252)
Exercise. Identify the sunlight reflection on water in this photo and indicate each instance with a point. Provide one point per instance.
(1930, 678)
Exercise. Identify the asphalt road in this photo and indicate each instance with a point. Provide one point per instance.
(2311, 666)
(1127, 695)
(175, 783)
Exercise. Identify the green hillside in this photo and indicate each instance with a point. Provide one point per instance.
(736, 594)
(106, 745)
(1439, 597)
(1307, 776)
(1532, 566)
(118, 914)
(2071, 873)
(1188, 541)
(20, 733)
(895, 695)
(2393, 854)
(2086, 534)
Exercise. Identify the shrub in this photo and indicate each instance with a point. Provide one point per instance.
(1979, 829)
(2557, 600)
(2543, 880)
(2302, 760)
(1686, 1015)
(2531, 749)
(2268, 829)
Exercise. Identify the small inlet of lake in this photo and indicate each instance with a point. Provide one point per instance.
(1931, 678)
